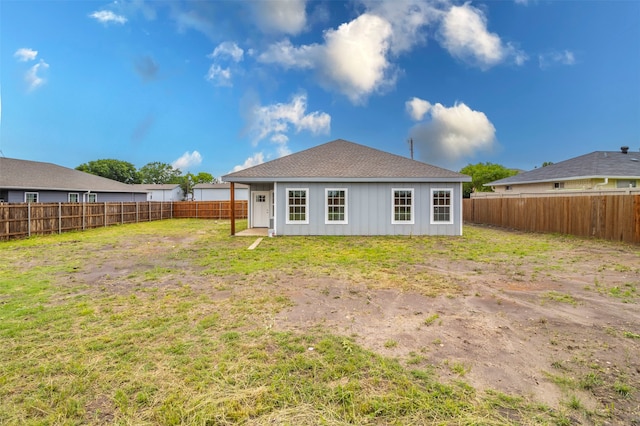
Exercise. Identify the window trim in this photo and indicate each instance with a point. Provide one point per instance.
(393, 207)
(92, 195)
(326, 207)
(77, 197)
(288, 221)
(432, 220)
(26, 196)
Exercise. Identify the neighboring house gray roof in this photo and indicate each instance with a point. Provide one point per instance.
(598, 164)
(218, 186)
(341, 160)
(34, 175)
(155, 186)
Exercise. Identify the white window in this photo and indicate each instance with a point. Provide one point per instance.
(273, 204)
(558, 185)
(74, 197)
(336, 206)
(625, 183)
(441, 206)
(402, 206)
(92, 198)
(30, 197)
(297, 206)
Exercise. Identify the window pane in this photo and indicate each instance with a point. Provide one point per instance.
(297, 205)
(442, 206)
(402, 205)
(336, 203)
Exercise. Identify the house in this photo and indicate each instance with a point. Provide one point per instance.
(161, 191)
(23, 181)
(597, 171)
(343, 188)
(219, 192)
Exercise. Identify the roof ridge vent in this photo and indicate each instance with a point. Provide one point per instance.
(624, 149)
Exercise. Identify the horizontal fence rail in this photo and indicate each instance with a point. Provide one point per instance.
(19, 220)
(610, 217)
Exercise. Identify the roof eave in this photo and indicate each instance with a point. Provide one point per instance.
(346, 179)
(556, 179)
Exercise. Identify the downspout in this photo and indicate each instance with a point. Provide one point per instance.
(597, 185)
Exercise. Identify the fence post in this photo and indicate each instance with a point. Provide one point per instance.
(59, 218)
(105, 214)
(137, 212)
(149, 211)
(29, 219)
(122, 212)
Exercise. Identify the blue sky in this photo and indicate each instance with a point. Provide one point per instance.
(216, 86)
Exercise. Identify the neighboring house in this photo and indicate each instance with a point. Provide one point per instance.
(343, 188)
(161, 191)
(597, 171)
(219, 192)
(32, 181)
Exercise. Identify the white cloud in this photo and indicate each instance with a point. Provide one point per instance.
(32, 77)
(219, 76)
(452, 133)
(417, 108)
(281, 16)
(254, 160)
(352, 60)
(228, 49)
(288, 56)
(408, 19)
(275, 121)
(25, 54)
(107, 16)
(187, 160)
(565, 57)
(464, 34)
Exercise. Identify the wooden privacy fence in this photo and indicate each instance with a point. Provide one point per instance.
(610, 217)
(23, 220)
(209, 209)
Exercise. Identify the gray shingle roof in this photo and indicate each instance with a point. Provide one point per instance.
(598, 164)
(342, 160)
(32, 175)
(217, 186)
(155, 186)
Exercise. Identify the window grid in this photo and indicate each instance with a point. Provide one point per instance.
(441, 199)
(30, 197)
(74, 197)
(336, 206)
(402, 206)
(297, 206)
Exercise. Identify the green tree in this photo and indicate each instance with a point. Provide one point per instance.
(119, 170)
(157, 172)
(204, 177)
(482, 173)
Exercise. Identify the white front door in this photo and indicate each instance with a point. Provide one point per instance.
(260, 209)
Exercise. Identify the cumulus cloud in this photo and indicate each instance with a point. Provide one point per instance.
(352, 59)
(275, 121)
(464, 34)
(25, 54)
(254, 160)
(219, 76)
(417, 108)
(33, 77)
(281, 16)
(107, 17)
(547, 60)
(452, 133)
(146, 68)
(228, 49)
(187, 160)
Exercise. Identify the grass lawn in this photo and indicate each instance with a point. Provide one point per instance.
(168, 322)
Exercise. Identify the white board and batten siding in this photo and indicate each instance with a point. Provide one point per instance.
(369, 209)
